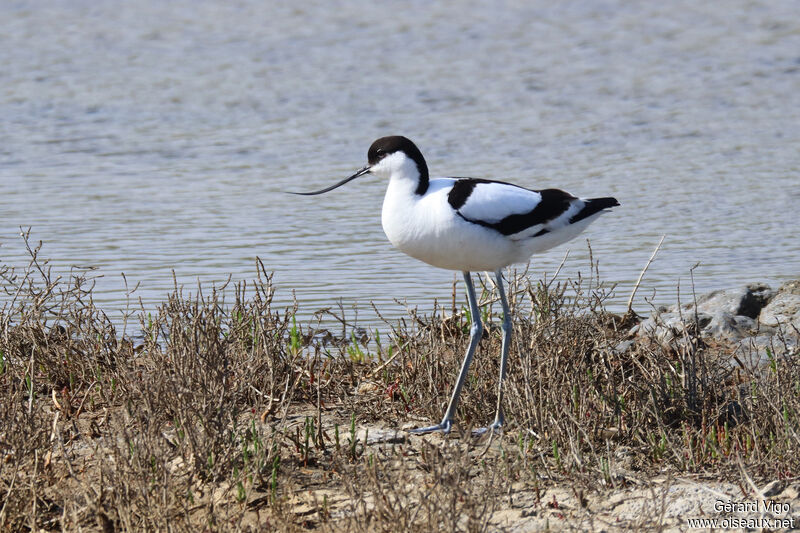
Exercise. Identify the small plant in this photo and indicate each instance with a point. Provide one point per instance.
(378, 346)
(353, 439)
(556, 454)
(241, 493)
(357, 355)
(295, 342)
(310, 435)
(606, 470)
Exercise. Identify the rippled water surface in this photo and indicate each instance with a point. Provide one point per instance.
(146, 137)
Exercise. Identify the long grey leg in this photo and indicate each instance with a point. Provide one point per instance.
(507, 329)
(475, 333)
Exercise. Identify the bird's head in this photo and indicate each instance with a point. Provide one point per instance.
(386, 157)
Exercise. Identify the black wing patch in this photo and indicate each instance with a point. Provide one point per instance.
(461, 190)
(553, 204)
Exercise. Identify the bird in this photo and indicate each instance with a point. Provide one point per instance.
(469, 225)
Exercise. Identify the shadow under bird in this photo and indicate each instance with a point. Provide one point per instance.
(470, 224)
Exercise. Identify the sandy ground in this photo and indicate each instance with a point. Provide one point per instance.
(635, 502)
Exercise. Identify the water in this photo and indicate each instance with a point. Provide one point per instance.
(149, 137)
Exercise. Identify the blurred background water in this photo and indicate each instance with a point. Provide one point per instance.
(146, 137)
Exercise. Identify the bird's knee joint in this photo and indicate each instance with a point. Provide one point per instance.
(476, 330)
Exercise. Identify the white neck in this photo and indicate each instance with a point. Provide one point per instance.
(402, 173)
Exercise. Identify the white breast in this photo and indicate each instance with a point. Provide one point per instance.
(428, 229)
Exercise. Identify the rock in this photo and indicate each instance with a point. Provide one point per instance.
(731, 327)
(792, 287)
(667, 328)
(792, 492)
(380, 436)
(783, 311)
(773, 488)
(726, 314)
(758, 350)
(745, 301)
(368, 387)
(624, 346)
(761, 322)
(655, 327)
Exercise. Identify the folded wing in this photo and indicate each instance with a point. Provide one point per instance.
(514, 211)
